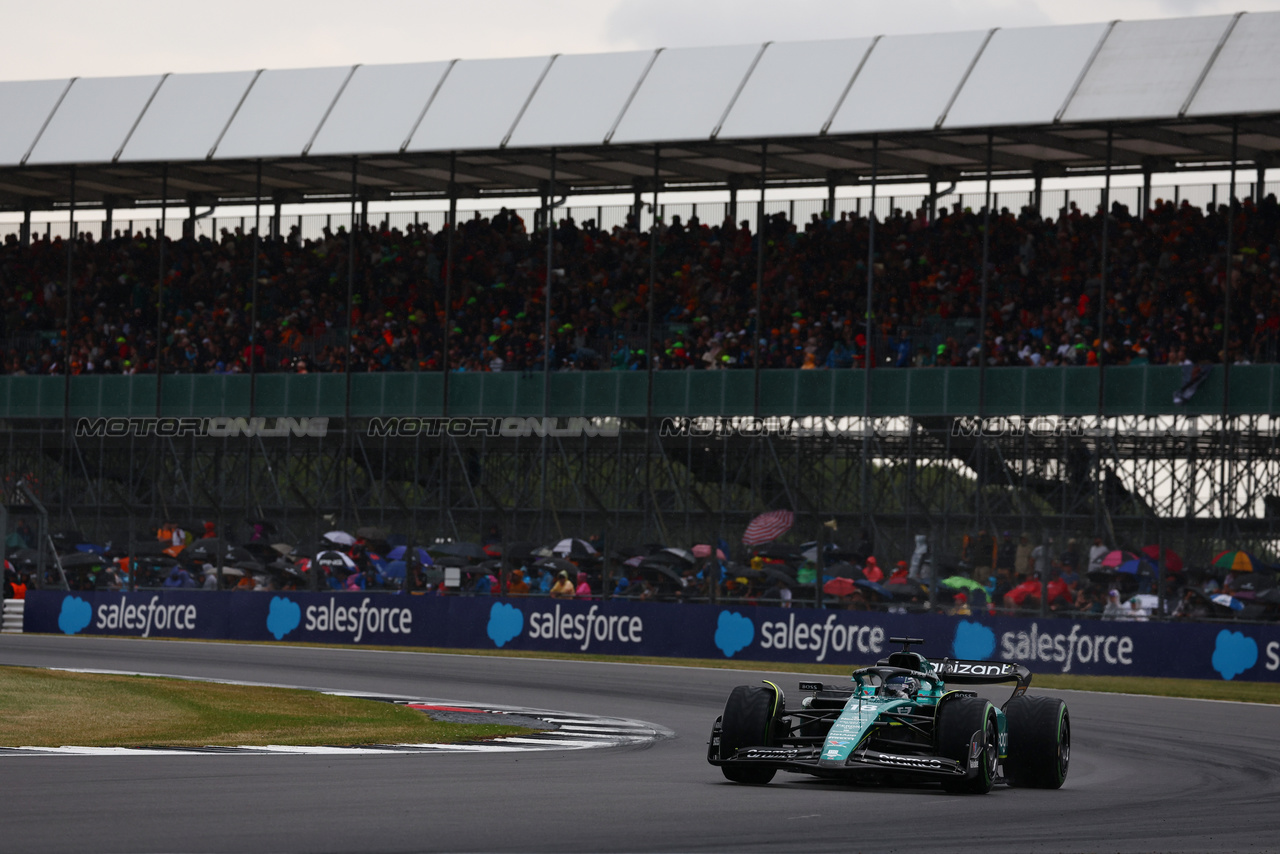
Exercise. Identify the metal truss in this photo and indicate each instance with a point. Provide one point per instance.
(1195, 484)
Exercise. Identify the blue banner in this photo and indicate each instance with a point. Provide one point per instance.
(620, 627)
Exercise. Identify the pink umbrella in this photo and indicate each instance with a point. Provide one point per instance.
(840, 587)
(704, 550)
(1117, 557)
(767, 527)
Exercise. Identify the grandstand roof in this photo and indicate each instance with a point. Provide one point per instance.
(1169, 91)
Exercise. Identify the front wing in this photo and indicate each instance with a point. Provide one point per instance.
(809, 760)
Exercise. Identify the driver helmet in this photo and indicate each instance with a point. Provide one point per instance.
(905, 687)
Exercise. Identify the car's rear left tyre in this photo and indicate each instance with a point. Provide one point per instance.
(1039, 742)
(747, 722)
(958, 720)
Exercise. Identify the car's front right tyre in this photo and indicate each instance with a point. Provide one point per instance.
(747, 722)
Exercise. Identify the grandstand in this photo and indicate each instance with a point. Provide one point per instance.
(1104, 100)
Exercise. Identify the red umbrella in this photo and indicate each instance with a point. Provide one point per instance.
(1172, 560)
(839, 587)
(768, 526)
(704, 550)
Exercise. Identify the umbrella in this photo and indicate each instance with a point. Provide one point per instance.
(665, 556)
(90, 547)
(664, 570)
(959, 582)
(282, 548)
(341, 538)
(1172, 560)
(335, 560)
(467, 550)
(452, 560)
(1117, 557)
(399, 552)
(520, 550)
(556, 564)
(573, 547)
(1236, 561)
(840, 586)
(634, 561)
(1227, 601)
(684, 554)
(371, 533)
(704, 550)
(779, 575)
(878, 589)
(82, 559)
(25, 556)
(1135, 567)
(395, 569)
(843, 569)
(768, 526)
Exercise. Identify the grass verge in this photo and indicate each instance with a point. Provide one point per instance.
(43, 708)
(1204, 689)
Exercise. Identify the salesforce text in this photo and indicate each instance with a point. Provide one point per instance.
(147, 617)
(585, 627)
(335, 618)
(822, 637)
(1033, 646)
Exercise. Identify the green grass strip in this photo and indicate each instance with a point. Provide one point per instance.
(1204, 689)
(44, 708)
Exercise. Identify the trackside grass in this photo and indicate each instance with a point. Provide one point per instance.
(42, 708)
(1250, 692)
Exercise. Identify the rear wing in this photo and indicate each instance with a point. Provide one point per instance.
(957, 671)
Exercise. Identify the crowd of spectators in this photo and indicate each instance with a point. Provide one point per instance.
(1165, 295)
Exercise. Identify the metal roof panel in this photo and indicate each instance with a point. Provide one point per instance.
(794, 88)
(378, 108)
(1243, 79)
(580, 99)
(685, 94)
(478, 104)
(26, 105)
(94, 119)
(186, 116)
(1146, 69)
(281, 113)
(907, 82)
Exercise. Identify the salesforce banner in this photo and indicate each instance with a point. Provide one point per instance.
(799, 635)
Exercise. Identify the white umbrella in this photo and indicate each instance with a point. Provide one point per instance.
(341, 537)
(572, 547)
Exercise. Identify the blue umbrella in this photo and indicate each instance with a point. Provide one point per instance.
(1228, 601)
(399, 552)
(878, 589)
(395, 569)
(1135, 567)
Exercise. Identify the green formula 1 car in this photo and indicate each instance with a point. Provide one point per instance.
(900, 720)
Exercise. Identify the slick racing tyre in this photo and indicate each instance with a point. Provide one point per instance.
(747, 722)
(958, 720)
(1039, 742)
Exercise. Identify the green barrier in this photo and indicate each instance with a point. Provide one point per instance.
(919, 392)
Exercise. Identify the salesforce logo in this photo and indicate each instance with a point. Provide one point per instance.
(75, 615)
(505, 623)
(734, 633)
(1233, 654)
(973, 641)
(284, 617)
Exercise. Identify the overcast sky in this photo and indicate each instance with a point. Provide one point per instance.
(97, 38)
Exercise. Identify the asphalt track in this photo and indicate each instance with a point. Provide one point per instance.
(1147, 774)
